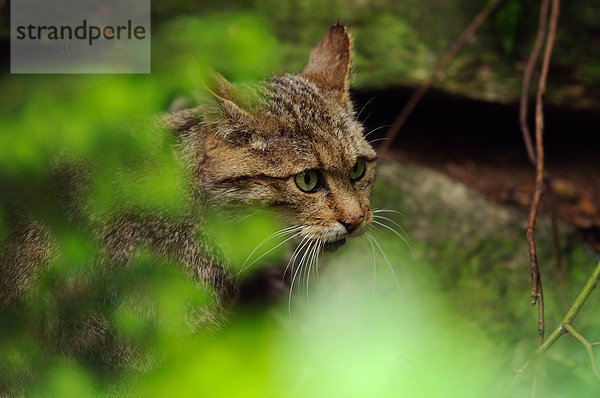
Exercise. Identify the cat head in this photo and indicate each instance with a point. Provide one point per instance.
(292, 143)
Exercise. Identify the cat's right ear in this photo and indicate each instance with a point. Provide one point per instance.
(238, 112)
(329, 62)
(218, 107)
(230, 110)
(184, 120)
(181, 121)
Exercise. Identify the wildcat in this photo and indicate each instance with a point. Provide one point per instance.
(295, 146)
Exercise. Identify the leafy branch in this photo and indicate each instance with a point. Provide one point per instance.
(588, 346)
(566, 326)
(541, 180)
(590, 285)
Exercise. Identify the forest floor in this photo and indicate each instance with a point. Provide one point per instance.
(576, 189)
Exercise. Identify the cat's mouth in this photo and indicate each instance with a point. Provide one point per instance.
(333, 245)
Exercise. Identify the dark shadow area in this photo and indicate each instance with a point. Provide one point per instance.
(480, 144)
(448, 127)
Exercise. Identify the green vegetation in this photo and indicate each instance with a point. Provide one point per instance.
(451, 319)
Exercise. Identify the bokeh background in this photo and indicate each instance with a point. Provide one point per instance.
(439, 309)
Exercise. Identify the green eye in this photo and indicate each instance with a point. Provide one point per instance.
(358, 170)
(308, 180)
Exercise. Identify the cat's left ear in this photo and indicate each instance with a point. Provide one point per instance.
(329, 62)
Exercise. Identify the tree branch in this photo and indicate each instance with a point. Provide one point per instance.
(573, 311)
(529, 68)
(437, 71)
(569, 317)
(536, 281)
(588, 347)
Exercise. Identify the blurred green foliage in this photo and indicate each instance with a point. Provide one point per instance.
(362, 332)
(507, 19)
(391, 50)
(416, 33)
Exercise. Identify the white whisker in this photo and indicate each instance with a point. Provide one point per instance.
(295, 254)
(404, 233)
(312, 263)
(305, 271)
(375, 211)
(224, 193)
(385, 257)
(368, 116)
(378, 139)
(244, 267)
(321, 244)
(272, 236)
(364, 106)
(374, 263)
(298, 268)
(397, 233)
(245, 217)
(377, 129)
(302, 262)
(392, 221)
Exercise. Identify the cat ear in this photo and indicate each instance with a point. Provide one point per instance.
(181, 121)
(236, 114)
(219, 87)
(220, 92)
(329, 61)
(232, 112)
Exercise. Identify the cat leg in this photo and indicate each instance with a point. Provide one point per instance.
(27, 250)
(178, 240)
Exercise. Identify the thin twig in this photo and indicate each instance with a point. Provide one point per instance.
(569, 317)
(529, 68)
(536, 280)
(437, 71)
(590, 285)
(541, 322)
(587, 346)
(524, 124)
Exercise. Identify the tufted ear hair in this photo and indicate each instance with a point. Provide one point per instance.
(329, 61)
(181, 121)
(231, 110)
(237, 114)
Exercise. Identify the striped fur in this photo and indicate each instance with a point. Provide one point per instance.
(244, 145)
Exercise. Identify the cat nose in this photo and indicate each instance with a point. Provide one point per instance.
(351, 223)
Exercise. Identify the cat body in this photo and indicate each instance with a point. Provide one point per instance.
(292, 144)
(253, 151)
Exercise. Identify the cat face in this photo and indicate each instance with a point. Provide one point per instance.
(293, 143)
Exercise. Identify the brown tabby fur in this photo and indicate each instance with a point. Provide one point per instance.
(244, 151)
